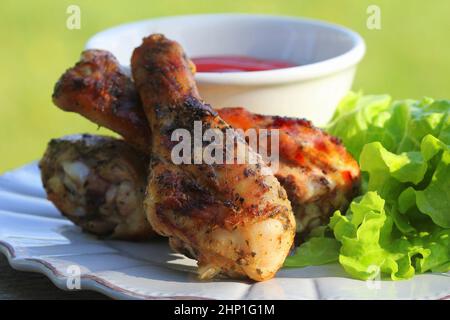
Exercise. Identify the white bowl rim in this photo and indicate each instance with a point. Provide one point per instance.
(278, 76)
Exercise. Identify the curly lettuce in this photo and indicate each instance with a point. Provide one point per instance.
(400, 225)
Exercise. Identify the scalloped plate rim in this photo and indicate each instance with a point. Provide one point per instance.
(91, 281)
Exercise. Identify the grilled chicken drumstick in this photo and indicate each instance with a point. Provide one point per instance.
(98, 183)
(233, 219)
(319, 175)
(97, 88)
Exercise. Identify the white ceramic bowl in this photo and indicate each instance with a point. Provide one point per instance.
(327, 56)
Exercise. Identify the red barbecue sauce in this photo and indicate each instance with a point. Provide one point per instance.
(237, 64)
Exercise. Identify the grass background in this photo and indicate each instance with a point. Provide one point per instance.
(408, 58)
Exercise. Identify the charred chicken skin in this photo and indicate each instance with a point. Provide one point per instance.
(232, 218)
(97, 88)
(99, 184)
(319, 175)
(316, 170)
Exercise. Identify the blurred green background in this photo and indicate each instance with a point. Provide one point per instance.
(408, 58)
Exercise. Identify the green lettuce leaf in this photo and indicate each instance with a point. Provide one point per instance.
(434, 199)
(316, 251)
(399, 126)
(400, 225)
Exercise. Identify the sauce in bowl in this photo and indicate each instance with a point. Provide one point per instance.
(238, 64)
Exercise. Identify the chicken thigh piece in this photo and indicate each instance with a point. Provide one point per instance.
(232, 218)
(318, 173)
(98, 183)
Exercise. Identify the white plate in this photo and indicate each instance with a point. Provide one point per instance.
(35, 237)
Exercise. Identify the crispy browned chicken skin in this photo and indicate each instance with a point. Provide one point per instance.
(98, 183)
(233, 223)
(316, 170)
(97, 88)
(319, 175)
